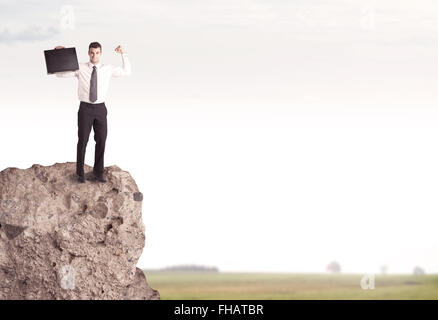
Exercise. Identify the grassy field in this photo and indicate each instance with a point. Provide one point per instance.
(224, 285)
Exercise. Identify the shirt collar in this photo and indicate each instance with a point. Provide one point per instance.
(91, 65)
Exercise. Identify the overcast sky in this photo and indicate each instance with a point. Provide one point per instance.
(265, 135)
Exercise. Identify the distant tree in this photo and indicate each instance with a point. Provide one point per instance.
(333, 267)
(191, 267)
(418, 271)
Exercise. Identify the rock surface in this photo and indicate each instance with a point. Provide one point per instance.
(61, 239)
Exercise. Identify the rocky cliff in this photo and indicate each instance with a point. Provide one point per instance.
(61, 239)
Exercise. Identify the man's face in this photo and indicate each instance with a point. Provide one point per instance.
(94, 54)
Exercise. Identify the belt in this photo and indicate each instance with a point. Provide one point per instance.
(93, 104)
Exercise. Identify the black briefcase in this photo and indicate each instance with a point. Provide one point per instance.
(59, 60)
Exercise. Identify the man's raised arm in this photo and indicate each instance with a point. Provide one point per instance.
(125, 69)
(66, 74)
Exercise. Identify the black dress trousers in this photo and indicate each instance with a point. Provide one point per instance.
(91, 115)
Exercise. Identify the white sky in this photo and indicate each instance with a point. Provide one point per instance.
(264, 135)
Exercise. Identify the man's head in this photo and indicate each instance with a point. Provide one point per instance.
(94, 51)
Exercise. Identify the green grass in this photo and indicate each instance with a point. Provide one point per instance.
(224, 285)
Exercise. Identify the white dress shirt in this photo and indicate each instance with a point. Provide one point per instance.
(104, 74)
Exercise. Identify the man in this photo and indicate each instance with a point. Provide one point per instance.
(93, 82)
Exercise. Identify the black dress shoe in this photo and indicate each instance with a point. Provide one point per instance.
(81, 179)
(100, 178)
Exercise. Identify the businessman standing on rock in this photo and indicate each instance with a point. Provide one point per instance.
(93, 82)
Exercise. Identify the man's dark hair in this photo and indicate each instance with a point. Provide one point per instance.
(95, 45)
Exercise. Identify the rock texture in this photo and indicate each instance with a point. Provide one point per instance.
(60, 239)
